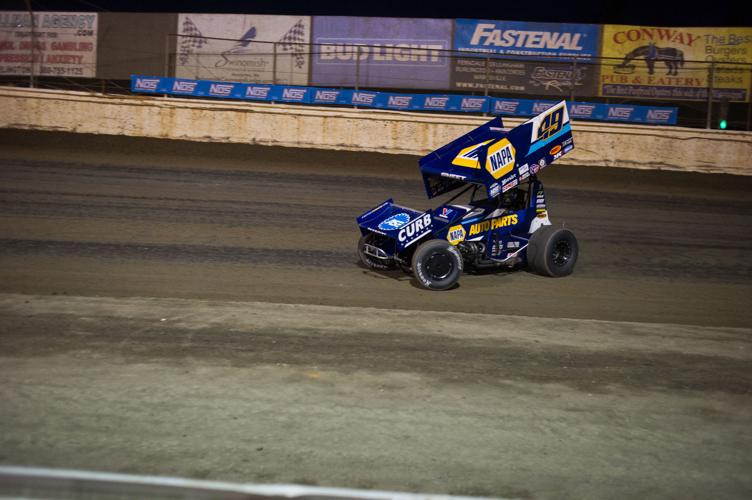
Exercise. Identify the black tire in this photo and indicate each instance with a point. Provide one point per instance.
(372, 262)
(437, 265)
(552, 251)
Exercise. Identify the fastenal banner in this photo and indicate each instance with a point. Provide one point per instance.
(64, 44)
(674, 63)
(526, 39)
(243, 48)
(529, 58)
(381, 52)
(396, 101)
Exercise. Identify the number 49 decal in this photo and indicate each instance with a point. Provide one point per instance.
(551, 123)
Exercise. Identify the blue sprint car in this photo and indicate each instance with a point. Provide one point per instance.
(504, 220)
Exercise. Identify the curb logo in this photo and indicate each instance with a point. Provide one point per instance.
(456, 234)
(500, 159)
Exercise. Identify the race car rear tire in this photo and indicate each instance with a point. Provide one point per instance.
(437, 265)
(552, 251)
(370, 261)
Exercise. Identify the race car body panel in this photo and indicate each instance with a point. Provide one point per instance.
(403, 225)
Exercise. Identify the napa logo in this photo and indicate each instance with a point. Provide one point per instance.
(500, 158)
(456, 234)
(468, 157)
(396, 221)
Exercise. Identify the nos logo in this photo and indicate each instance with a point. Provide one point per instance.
(551, 123)
(500, 159)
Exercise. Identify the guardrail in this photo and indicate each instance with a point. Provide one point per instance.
(652, 115)
(41, 483)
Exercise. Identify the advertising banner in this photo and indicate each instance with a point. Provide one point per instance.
(520, 77)
(674, 63)
(550, 40)
(243, 48)
(589, 111)
(65, 44)
(535, 57)
(381, 52)
(397, 101)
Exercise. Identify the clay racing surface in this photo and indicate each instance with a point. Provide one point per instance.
(198, 310)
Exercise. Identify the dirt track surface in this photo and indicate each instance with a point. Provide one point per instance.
(104, 216)
(238, 339)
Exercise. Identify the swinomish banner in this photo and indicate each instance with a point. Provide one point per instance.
(64, 44)
(243, 48)
(673, 63)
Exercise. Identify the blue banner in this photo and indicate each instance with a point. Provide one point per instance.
(557, 40)
(398, 101)
(626, 113)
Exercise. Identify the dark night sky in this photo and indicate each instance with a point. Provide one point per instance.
(656, 12)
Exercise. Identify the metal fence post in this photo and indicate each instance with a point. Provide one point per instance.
(167, 56)
(274, 63)
(711, 77)
(32, 43)
(573, 79)
(485, 86)
(749, 101)
(357, 66)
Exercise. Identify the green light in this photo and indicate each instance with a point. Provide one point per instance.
(722, 125)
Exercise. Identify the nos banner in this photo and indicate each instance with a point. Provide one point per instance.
(541, 58)
(65, 44)
(674, 63)
(247, 51)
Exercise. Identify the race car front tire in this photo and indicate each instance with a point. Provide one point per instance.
(552, 251)
(437, 265)
(370, 261)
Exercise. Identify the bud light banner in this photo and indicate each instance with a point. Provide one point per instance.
(674, 63)
(243, 48)
(588, 111)
(395, 101)
(526, 39)
(381, 52)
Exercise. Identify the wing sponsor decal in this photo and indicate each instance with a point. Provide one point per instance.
(500, 158)
(468, 157)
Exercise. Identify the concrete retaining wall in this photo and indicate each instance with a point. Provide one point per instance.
(632, 146)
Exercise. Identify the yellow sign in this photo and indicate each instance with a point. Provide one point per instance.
(674, 63)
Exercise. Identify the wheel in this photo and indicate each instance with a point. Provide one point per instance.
(437, 265)
(552, 251)
(368, 260)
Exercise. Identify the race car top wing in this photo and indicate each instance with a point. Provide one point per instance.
(496, 159)
(456, 163)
